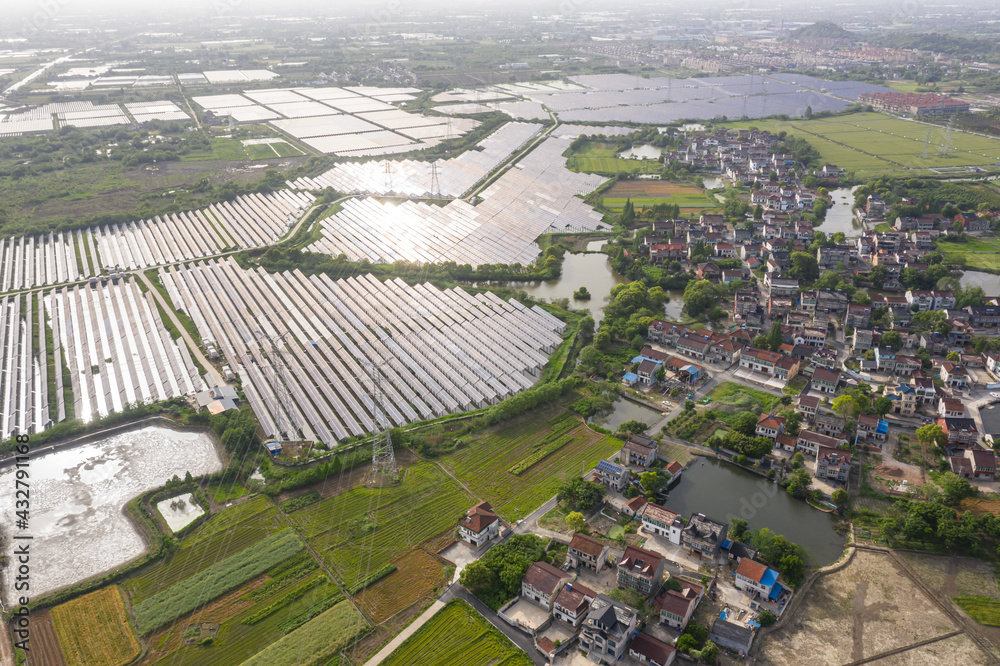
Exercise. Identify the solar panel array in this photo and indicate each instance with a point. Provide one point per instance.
(354, 121)
(413, 177)
(535, 197)
(250, 220)
(439, 351)
(118, 352)
(85, 115)
(22, 371)
(625, 98)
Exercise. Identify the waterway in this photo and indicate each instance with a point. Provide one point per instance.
(646, 152)
(625, 410)
(589, 270)
(988, 281)
(723, 491)
(77, 495)
(840, 215)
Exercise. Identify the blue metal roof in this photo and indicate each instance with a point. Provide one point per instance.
(727, 544)
(631, 376)
(775, 591)
(769, 577)
(882, 427)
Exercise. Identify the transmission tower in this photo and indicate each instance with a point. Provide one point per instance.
(448, 130)
(927, 144)
(435, 181)
(946, 146)
(383, 458)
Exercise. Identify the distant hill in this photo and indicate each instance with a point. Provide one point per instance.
(821, 30)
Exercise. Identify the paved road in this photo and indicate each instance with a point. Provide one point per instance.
(410, 629)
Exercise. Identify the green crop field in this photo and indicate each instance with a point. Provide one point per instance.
(314, 642)
(485, 463)
(873, 142)
(983, 610)
(457, 634)
(983, 252)
(682, 200)
(223, 576)
(224, 534)
(595, 157)
(364, 529)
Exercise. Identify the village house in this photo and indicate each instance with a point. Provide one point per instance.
(904, 398)
(974, 463)
(984, 316)
(732, 636)
(480, 525)
(612, 475)
(781, 286)
(807, 406)
(907, 365)
(954, 375)
(962, 432)
(585, 551)
(825, 381)
(833, 465)
(703, 536)
(951, 408)
(759, 360)
(649, 650)
(640, 570)
(872, 427)
(572, 603)
(677, 606)
(607, 629)
(753, 576)
(639, 451)
(864, 338)
(830, 425)
(541, 583)
(809, 442)
(770, 426)
(663, 522)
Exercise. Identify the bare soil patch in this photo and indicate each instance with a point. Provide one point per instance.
(868, 607)
(45, 650)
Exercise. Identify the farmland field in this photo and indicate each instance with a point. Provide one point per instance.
(314, 642)
(457, 634)
(364, 529)
(982, 252)
(873, 142)
(223, 576)
(596, 157)
(417, 575)
(484, 463)
(224, 534)
(652, 192)
(45, 650)
(94, 629)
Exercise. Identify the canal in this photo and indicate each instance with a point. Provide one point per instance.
(989, 282)
(588, 269)
(625, 410)
(722, 491)
(840, 214)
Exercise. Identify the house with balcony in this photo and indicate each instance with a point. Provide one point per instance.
(807, 406)
(830, 425)
(864, 338)
(951, 408)
(962, 433)
(825, 381)
(954, 375)
(906, 365)
(770, 426)
(639, 451)
(585, 551)
(541, 583)
(974, 463)
(904, 398)
(781, 286)
(640, 570)
(809, 442)
(833, 465)
(703, 536)
(873, 428)
(661, 521)
(924, 387)
(572, 603)
(607, 629)
(759, 360)
(480, 525)
(984, 316)
(676, 607)
(611, 475)
(753, 576)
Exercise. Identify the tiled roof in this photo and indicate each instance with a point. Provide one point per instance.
(543, 577)
(479, 517)
(751, 569)
(586, 544)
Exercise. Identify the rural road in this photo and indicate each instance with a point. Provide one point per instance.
(405, 633)
(217, 378)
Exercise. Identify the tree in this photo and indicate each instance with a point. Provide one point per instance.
(746, 423)
(953, 356)
(477, 576)
(766, 618)
(739, 529)
(878, 275)
(845, 407)
(792, 569)
(774, 337)
(883, 405)
(709, 654)
(660, 373)
(654, 481)
(797, 459)
(954, 488)
(686, 643)
(798, 483)
(699, 296)
(575, 521)
(932, 434)
(632, 427)
(839, 497)
(892, 339)
(804, 266)
(587, 327)
(581, 494)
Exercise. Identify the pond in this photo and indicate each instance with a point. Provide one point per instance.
(590, 270)
(625, 410)
(723, 491)
(179, 511)
(646, 152)
(840, 215)
(989, 282)
(78, 494)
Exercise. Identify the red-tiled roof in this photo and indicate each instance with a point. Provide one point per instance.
(586, 544)
(751, 569)
(479, 517)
